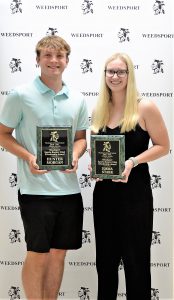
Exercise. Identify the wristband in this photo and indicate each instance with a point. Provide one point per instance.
(134, 160)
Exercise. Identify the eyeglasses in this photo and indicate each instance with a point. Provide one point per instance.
(120, 73)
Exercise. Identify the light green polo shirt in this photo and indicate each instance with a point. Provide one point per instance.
(29, 106)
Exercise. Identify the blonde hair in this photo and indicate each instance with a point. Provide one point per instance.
(100, 117)
(53, 41)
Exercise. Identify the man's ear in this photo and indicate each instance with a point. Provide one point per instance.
(67, 60)
(37, 60)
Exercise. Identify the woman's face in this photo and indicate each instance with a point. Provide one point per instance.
(116, 75)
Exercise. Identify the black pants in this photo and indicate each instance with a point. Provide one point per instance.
(123, 231)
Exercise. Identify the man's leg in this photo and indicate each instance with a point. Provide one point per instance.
(42, 274)
(33, 274)
(54, 273)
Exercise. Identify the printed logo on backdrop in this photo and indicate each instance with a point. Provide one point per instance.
(3, 149)
(156, 237)
(154, 294)
(125, 7)
(15, 65)
(159, 95)
(15, 6)
(14, 236)
(87, 35)
(16, 34)
(85, 181)
(90, 94)
(51, 31)
(160, 264)
(9, 207)
(155, 181)
(88, 208)
(158, 7)
(83, 293)
(4, 93)
(87, 7)
(162, 209)
(61, 294)
(86, 66)
(158, 35)
(86, 236)
(121, 265)
(121, 295)
(14, 293)
(157, 66)
(88, 150)
(13, 180)
(52, 7)
(123, 35)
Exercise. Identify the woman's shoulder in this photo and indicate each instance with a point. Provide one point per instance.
(146, 104)
(148, 110)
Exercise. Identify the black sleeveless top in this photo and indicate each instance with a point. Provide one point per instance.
(136, 142)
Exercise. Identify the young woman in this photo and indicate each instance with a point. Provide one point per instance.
(123, 209)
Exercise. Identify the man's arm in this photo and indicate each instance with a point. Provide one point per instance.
(8, 142)
(80, 144)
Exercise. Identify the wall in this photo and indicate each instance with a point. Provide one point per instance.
(95, 30)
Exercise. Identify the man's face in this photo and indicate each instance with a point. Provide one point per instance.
(52, 62)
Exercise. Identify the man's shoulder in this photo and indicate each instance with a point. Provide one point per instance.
(22, 88)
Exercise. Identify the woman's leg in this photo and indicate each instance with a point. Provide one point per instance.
(107, 247)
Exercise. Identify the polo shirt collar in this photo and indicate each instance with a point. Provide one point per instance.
(44, 88)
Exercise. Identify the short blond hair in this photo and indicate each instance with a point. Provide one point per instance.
(55, 42)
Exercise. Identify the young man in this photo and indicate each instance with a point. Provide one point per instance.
(50, 201)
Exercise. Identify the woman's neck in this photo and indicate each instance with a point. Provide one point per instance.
(118, 101)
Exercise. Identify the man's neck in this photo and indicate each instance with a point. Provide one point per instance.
(52, 83)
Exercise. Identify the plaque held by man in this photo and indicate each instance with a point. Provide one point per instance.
(54, 147)
(107, 156)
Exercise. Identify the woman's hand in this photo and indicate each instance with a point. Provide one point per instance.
(92, 178)
(126, 172)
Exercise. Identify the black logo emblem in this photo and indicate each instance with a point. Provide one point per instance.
(83, 293)
(85, 181)
(13, 180)
(121, 265)
(87, 7)
(86, 66)
(15, 6)
(156, 237)
(15, 65)
(155, 181)
(14, 293)
(154, 294)
(51, 31)
(157, 66)
(123, 35)
(86, 236)
(14, 236)
(158, 7)
(3, 149)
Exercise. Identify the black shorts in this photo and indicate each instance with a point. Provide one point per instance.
(52, 221)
